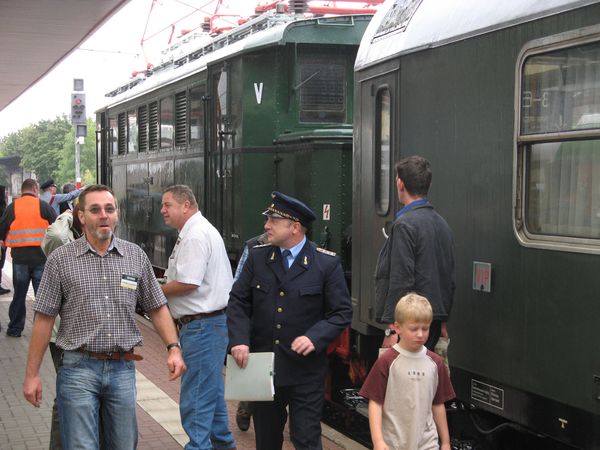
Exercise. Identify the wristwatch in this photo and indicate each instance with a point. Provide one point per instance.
(388, 332)
(173, 344)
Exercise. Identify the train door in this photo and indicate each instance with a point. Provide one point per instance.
(377, 198)
(220, 142)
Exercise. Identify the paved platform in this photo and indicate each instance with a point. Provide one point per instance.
(24, 427)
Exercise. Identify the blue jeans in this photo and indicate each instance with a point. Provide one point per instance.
(87, 387)
(201, 404)
(22, 275)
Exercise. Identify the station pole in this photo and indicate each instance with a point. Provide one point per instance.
(79, 121)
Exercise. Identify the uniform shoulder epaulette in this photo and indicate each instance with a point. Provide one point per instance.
(327, 252)
(262, 245)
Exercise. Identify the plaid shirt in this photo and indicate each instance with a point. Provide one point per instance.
(96, 295)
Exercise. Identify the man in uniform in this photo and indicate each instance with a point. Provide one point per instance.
(49, 194)
(22, 227)
(94, 284)
(291, 299)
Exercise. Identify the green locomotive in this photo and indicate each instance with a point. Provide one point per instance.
(265, 106)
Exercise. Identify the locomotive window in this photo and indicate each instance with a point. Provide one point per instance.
(166, 122)
(153, 126)
(196, 116)
(558, 149)
(322, 86)
(132, 132)
(114, 136)
(143, 128)
(122, 134)
(382, 151)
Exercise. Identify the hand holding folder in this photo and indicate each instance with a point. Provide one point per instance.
(255, 382)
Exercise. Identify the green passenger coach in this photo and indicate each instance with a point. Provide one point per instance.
(503, 98)
(266, 106)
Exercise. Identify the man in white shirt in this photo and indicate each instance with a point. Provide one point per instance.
(198, 281)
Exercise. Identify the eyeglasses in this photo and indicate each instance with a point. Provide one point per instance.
(95, 210)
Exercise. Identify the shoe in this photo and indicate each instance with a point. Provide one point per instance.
(242, 419)
(4, 290)
(13, 334)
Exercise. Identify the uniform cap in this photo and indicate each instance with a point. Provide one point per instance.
(47, 184)
(290, 208)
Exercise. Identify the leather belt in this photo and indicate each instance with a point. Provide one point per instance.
(113, 356)
(184, 320)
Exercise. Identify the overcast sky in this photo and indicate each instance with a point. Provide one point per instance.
(107, 59)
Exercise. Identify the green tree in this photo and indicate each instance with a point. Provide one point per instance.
(41, 146)
(87, 159)
(10, 145)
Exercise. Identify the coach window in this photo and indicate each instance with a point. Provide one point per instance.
(196, 116)
(132, 132)
(382, 151)
(559, 148)
(166, 122)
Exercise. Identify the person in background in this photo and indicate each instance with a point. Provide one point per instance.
(291, 299)
(23, 227)
(244, 409)
(418, 255)
(64, 206)
(3, 290)
(408, 385)
(197, 284)
(86, 281)
(49, 194)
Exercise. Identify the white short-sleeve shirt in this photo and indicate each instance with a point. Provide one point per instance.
(199, 257)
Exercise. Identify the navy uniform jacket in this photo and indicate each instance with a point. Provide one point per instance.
(268, 308)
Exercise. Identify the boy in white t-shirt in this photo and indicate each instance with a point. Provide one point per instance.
(408, 385)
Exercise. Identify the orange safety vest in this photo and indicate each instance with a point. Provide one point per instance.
(29, 227)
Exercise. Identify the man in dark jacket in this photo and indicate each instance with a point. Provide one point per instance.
(291, 299)
(418, 255)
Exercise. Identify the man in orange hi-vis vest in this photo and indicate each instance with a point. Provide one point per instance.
(22, 228)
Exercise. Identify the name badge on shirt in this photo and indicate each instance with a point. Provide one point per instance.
(129, 281)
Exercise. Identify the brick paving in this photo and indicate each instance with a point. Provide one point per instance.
(24, 427)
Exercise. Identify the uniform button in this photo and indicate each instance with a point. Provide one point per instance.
(276, 341)
(109, 335)
(281, 294)
(278, 326)
(279, 309)
(104, 278)
(258, 286)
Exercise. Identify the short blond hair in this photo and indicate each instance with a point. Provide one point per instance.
(413, 307)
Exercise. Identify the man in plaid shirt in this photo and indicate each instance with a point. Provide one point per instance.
(94, 284)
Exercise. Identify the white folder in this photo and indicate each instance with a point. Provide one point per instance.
(255, 382)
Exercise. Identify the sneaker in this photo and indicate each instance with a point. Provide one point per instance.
(242, 418)
(4, 290)
(13, 334)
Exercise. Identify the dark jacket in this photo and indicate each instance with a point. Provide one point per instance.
(418, 256)
(268, 308)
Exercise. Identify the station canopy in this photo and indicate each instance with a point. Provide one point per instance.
(37, 35)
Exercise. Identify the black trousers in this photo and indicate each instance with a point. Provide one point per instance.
(435, 331)
(305, 403)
